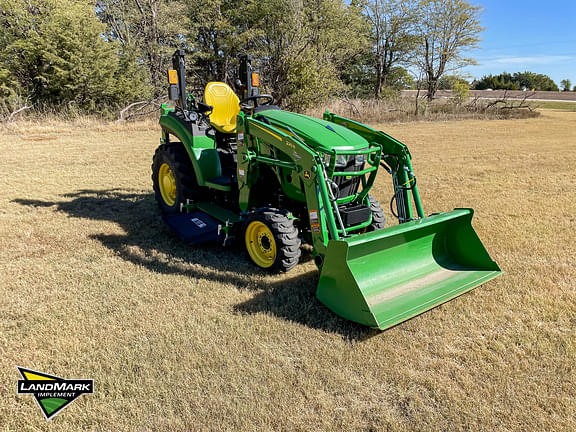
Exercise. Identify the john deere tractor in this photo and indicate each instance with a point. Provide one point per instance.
(234, 166)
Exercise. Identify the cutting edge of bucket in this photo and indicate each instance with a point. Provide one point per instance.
(434, 303)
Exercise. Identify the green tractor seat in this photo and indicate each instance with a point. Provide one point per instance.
(226, 106)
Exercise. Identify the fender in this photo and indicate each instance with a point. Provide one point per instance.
(201, 150)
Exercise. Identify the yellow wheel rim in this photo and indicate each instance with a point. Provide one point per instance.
(167, 184)
(260, 244)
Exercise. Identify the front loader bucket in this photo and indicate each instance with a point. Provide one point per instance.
(384, 277)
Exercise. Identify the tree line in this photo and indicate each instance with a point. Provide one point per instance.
(518, 81)
(98, 55)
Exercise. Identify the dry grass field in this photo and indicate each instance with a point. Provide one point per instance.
(93, 285)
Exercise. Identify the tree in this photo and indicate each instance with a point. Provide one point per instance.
(399, 79)
(358, 75)
(447, 82)
(219, 31)
(461, 90)
(303, 47)
(9, 86)
(566, 85)
(517, 81)
(52, 53)
(392, 24)
(503, 81)
(445, 31)
(57, 55)
(148, 31)
(531, 80)
(306, 46)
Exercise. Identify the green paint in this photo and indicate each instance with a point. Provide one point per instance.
(219, 212)
(320, 135)
(388, 276)
(167, 108)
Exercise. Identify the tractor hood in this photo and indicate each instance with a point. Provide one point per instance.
(318, 134)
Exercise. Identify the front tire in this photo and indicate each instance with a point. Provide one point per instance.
(378, 217)
(272, 240)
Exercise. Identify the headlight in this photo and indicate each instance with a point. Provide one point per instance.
(341, 161)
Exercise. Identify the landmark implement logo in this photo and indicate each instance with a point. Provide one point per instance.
(52, 393)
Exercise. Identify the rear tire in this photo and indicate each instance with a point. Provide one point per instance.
(272, 241)
(378, 218)
(173, 177)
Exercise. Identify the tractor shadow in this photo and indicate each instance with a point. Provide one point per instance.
(146, 240)
(294, 300)
(149, 243)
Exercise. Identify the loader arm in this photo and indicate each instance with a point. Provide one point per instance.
(397, 160)
(261, 143)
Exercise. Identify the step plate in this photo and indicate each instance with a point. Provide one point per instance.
(195, 227)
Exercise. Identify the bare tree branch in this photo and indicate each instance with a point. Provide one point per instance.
(156, 103)
(11, 116)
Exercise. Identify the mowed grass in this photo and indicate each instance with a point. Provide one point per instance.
(93, 285)
(554, 105)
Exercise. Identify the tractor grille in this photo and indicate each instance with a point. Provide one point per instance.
(348, 185)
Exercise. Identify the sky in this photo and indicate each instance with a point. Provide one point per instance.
(528, 35)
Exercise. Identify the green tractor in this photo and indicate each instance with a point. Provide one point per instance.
(234, 167)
